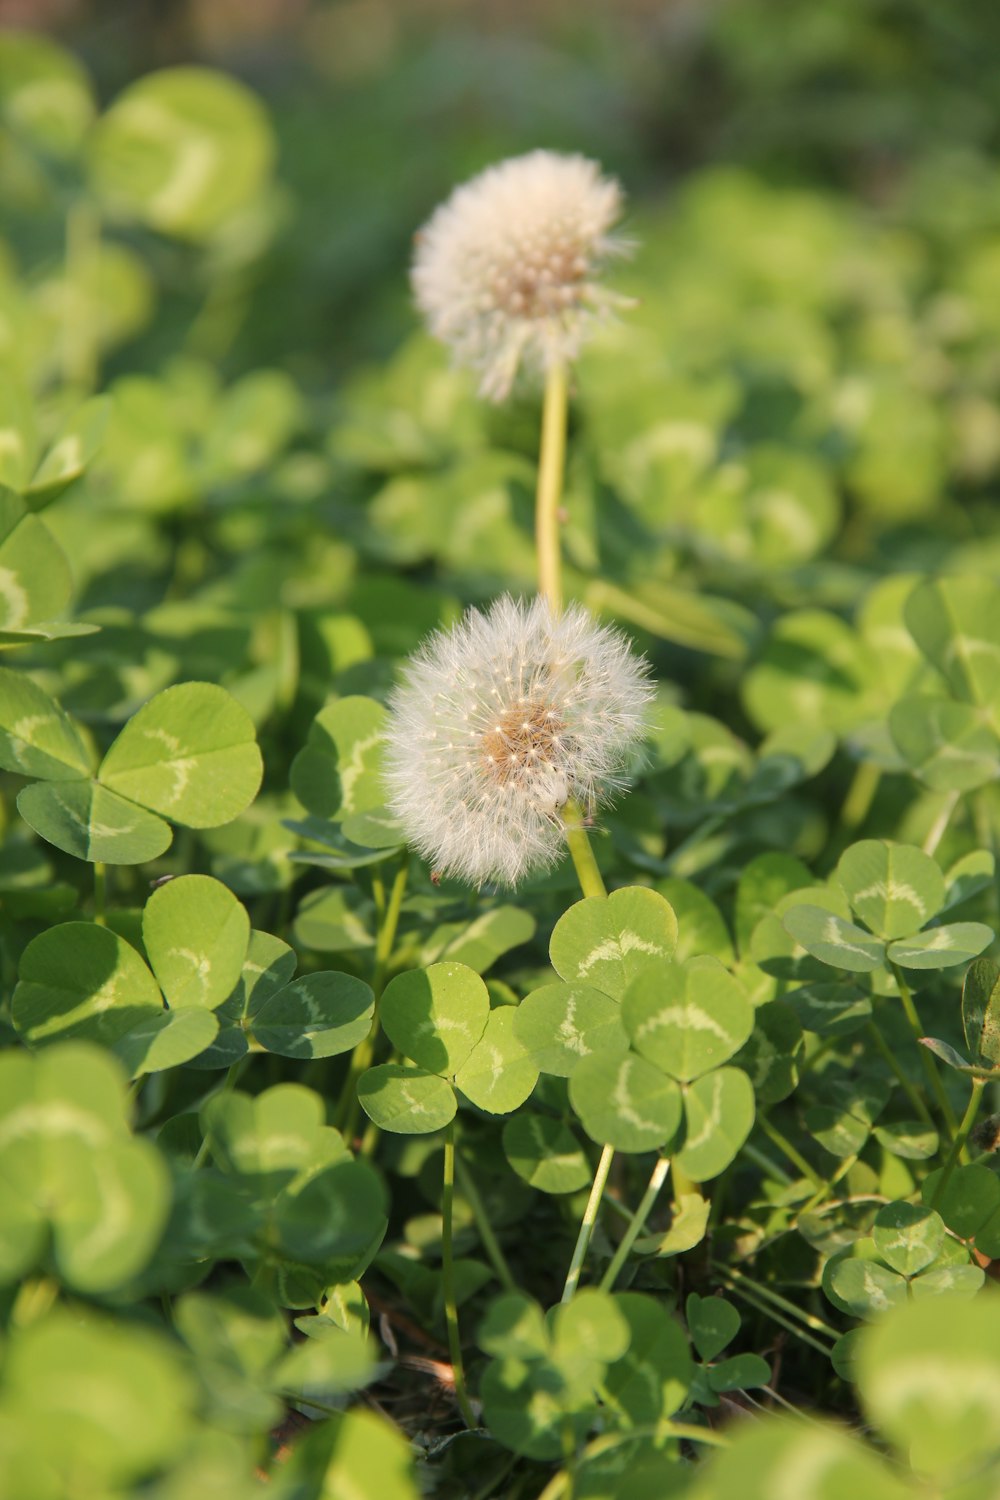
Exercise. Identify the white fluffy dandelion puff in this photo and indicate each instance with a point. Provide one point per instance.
(498, 722)
(505, 270)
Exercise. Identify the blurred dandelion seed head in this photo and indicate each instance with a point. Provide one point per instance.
(498, 722)
(505, 269)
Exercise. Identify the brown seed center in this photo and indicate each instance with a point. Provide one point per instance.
(523, 737)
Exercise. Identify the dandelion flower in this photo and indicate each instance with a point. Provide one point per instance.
(505, 269)
(498, 722)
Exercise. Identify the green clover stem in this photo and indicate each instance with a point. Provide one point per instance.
(637, 1223)
(765, 1295)
(785, 1146)
(587, 1224)
(860, 796)
(684, 1186)
(386, 939)
(448, 1277)
(551, 468)
(361, 1057)
(233, 1073)
(914, 1096)
(100, 892)
(491, 1244)
(589, 876)
(961, 1136)
(591, 884)
(929, 1066)
(558, 1486)
(937, 829)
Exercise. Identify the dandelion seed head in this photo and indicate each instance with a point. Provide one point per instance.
(505, 270)
(498, 722)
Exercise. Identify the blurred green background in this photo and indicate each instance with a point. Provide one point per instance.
(293, 486)
(381, 105)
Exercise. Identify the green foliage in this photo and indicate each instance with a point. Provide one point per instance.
(282, 1115)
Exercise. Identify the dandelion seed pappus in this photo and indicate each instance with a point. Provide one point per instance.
(498, 723)
(507, 270)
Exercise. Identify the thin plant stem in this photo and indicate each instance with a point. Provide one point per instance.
(767, 1294)
(491, 1244)
(551, 468)
(637, 1224)
(961, 1136)
(929, 1065)
(890, 1058)
(556, 1489)
(817, 1054)
(100, 893)
(587, 1224)
(785, 1146)
(937, 829)
(485, 1490)
(386, 939)
(589, 876)
(448, 1277)
(378, 896)
(683, 1185)
(748, 1296)
(568, 1441)
(826, 1187)
(860, 795)
(229, 1082)
(361, 1058)
(762, 1160)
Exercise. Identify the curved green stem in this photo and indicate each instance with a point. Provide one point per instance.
(760, 1294)
(557, 1487)
(929, 1065)
(785, 1146)
(361, 1057)
(448, 1278)
(491, 1244)
(100, 892)
(229, 1082)
(587, 1224)
(589, 876)
(961, 1136)
(893, 1063)
(637, 1225)
(937, 829)
(551, 468)
(860, 795)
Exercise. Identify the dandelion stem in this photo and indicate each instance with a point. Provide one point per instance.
(589, 876)
(551, 467)
(637, 1225)
(587, 1224)
(448, 1277)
